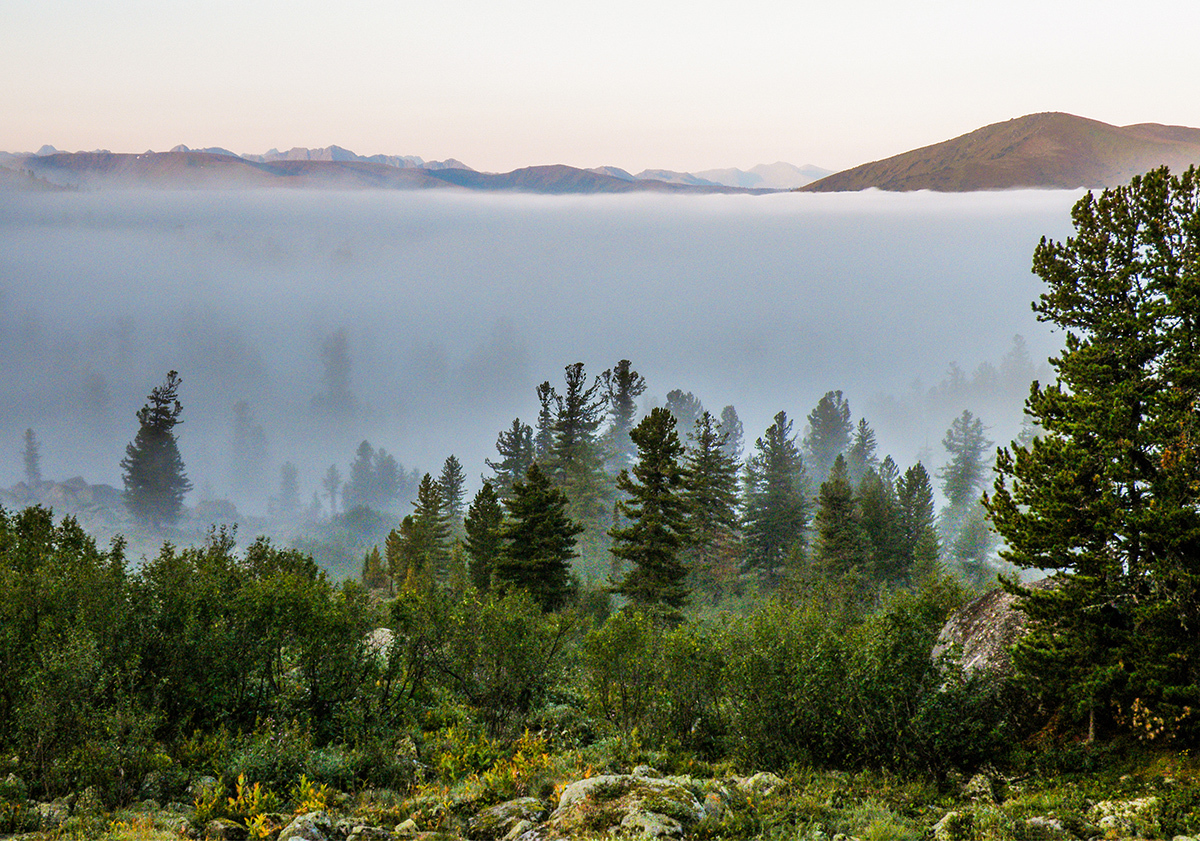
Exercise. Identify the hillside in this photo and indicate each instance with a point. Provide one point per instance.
(1050, 150)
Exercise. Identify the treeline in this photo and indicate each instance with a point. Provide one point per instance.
(208, 660)
(791, 511)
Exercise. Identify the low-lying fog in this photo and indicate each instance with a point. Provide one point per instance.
(454, 307)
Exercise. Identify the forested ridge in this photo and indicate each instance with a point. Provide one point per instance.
(655, 589)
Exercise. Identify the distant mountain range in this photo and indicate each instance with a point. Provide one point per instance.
(1049, 150)
(336, 167)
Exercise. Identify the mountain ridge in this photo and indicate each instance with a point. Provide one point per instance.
(1052, 150)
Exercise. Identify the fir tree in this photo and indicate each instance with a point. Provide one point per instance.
(657, 512)
(882, 526)
(423, 547)
(539, 541)
(861, 458)
(154, 477)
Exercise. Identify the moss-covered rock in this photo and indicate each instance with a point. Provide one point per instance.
(500, 820)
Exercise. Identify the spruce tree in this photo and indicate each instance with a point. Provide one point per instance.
(882, 525)
(539, 541)
(920, 548)
(657, 513)
(1107, 495)
(711, 493)
(776, 501)
(686, 408)
(731, 429)
(622, 386)
(485, 518)
(861, 458)
(516, 449)
(452, 481)
(154, 477)
(828, 436)
(33, 458)
(840, 553)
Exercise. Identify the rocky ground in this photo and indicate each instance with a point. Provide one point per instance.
(1160, 800)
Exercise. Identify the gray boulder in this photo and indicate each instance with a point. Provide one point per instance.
(501, 820)
(981, 633)
(313, 826)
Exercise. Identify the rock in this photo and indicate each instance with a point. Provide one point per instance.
(223, 829)
(369, 833)
(643, 805)
(89, 802)
(203, 788)
(520, 828)
(379, 641)
(408, 827)
(54, 814)
(646, 771)
(982, 632)
(498, 821)
(313, 826)
(954, 826)
(1127, 817)
(980, 788)
(764, 784)
(651, 825)
(1046, 829)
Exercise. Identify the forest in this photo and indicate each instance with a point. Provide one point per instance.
(652, 590)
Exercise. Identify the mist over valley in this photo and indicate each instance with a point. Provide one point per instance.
(450, 309)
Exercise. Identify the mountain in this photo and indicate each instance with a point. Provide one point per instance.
(776, 176)
(1050, 150)
(194, 170)
(667, 176)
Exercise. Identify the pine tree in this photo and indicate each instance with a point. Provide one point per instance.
(828, 436)
(155, 481)
(543, 439)
(776, 501)
(483, 525)
(374, 574)
(359, 487)
(965, 476)
(516, 449)
(576, 459)
(622, 387)
(1108, 493)
(657, 512)
(33, 458)
(539, 541)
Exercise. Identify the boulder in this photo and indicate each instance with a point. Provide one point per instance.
(954, 826)
(312, 826)
(763, 784)
(1127, 817)
(981, 633)
(500, 820)
(223, 829)
(639, 805)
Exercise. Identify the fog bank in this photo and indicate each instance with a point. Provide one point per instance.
(454, 307)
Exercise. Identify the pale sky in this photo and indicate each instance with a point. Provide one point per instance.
(501, 84)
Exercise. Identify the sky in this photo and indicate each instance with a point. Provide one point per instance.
(501, 84)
